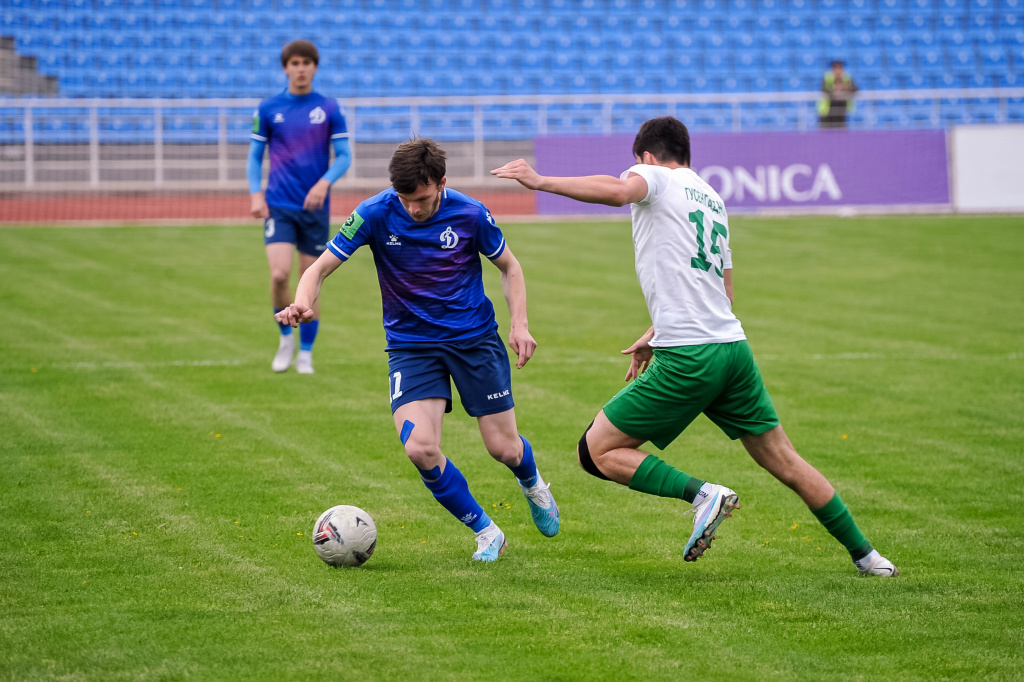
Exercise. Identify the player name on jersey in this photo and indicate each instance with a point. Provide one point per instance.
(701, 198)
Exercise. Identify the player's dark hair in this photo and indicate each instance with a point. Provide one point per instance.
(300, 48)
(666, 138)
(415, 163)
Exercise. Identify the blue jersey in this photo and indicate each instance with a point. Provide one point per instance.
(299, 130)
(429, 273)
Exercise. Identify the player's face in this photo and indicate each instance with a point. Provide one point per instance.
(300, 72)
(422, 204)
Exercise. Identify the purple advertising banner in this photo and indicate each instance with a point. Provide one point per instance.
(767, 170)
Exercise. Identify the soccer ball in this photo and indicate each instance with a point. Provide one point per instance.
(344, 536)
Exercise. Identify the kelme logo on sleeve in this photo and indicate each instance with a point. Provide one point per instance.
(352, 225)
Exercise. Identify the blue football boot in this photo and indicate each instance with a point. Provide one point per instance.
(490, 543)
(542, 507)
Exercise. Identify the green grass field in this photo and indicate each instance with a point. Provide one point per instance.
(159, 482)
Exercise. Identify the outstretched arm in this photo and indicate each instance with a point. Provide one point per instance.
(308, 290)
(513, 285)
(591, 189)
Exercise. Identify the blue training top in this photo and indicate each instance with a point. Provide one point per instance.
(429, 273)
(299, 129)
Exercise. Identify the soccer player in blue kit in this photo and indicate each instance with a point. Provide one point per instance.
(300, 126)
(426, 242)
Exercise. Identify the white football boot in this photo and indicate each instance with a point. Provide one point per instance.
(283, 356)
(876, 564)
(708, 515)
(490, 543)
(304, 362)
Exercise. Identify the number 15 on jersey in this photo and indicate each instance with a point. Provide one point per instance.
(701, 262)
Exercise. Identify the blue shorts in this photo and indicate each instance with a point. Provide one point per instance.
(479, 367)
(309, 231)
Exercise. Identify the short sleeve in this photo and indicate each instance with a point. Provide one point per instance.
(260, 125)
(353, 234)
(651, 176)
(727, 257)
(490, 240)
(339, 127)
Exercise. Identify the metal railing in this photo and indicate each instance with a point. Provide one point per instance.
(201, 144)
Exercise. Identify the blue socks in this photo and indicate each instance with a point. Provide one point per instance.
(526, 470)
(286, 330)
(307, 334)
(452, 491)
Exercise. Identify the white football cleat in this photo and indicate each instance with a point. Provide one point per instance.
(304, 362)
(490, 543)
(876, 564)
(708, 515)
(283, 356)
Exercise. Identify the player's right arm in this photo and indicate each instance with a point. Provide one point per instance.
(254, 165)
(354, 234)
(308, 290)
(254, 171)
(590, 189)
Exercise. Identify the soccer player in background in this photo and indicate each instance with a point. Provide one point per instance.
(301, 126)
(426, 242)
(695, 358)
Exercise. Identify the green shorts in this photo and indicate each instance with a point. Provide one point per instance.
(719, 379)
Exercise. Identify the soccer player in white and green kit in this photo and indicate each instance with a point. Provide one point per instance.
(695, 358)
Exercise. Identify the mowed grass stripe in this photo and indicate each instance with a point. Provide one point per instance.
(931, 467)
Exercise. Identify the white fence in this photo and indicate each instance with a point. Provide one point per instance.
(180, 144)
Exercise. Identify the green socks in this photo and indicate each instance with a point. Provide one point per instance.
(839, 522)
(655, 477)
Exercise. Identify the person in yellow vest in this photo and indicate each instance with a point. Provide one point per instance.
(838, 89)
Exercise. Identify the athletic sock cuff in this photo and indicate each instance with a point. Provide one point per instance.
(656, 477)
(693, 487)
(838, 521)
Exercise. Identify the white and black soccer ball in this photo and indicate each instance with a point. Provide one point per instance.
(344, 536)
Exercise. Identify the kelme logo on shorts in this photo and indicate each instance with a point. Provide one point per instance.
(352, 225)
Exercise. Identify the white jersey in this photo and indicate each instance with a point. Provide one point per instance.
(681, 240)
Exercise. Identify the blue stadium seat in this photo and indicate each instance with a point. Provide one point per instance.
(868, 63)
(747, 63)
(931, 61)
(953, 7)
(717, 64)
(899, 63)
(963, 61)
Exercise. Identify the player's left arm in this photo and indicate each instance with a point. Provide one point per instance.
(591, 189)
(342, 160)
(727, 278)
(513, 285)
